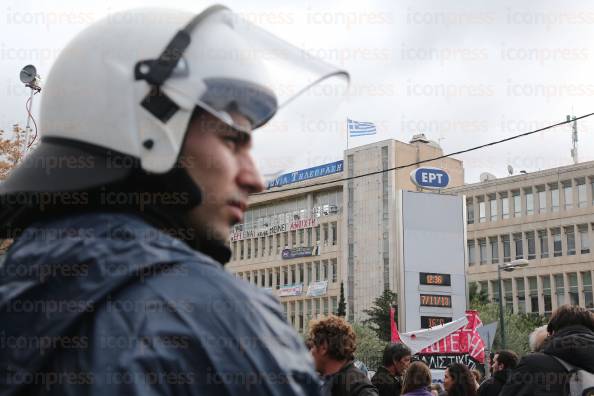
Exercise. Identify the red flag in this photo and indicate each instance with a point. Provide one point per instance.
(394, 335)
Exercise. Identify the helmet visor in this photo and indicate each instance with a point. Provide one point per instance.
(231, 65)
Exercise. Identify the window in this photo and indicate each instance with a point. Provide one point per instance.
(286, 275)
(494, 250)
(493, 206)
(256, 242)
(471, 249)
(270, 245)
(325, 227)
(293, 278)
(559, 289)
(543, 243)
(542, 199)
(570, 240)
(318, 235)
(504, 206)
(286, 239)
(517, 203)
(546, 291)
(270, 278)
(531, 245)
(495, 288)
(519, 246)
(508, 293)
(309, 279)
(301, 237)
(249, 248)
(584, 239)
(557, 249)
(334, 271)
(581, 191)
(334, 232)
(317, 270)
(482, 251)
(533, 293)
(309, 241)
(529, 201)
(293, 238)
(325, 271)
(554, 197)
(334, 305)
(278, 282)
(506, 248)
(241, 250)
(469, 211)
(573, 289)
(521, 295)
(568, 194)
(482, 210)
(587, 284)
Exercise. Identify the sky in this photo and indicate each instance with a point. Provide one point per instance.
(462, 72)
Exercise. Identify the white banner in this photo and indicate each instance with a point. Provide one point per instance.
(317, 289)
(292, 290)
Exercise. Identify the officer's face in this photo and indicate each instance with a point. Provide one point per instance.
(218, 158)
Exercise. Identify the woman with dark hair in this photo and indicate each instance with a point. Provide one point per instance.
(417, 380)
(459, 381)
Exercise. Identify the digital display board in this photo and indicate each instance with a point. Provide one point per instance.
(436, 300)
(430, 321)
(426, 278)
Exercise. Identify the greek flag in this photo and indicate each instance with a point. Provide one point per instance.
(357, 128)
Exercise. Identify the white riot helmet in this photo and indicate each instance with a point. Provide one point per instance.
(129, 83)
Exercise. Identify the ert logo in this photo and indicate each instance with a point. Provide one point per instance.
(431, 178)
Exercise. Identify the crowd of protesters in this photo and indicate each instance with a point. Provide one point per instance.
(562, 347)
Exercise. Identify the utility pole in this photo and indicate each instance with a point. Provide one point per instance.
(574, 139)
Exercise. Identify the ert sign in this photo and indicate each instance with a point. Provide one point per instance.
(431, 178)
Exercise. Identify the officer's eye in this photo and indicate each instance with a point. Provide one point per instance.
(231, 142)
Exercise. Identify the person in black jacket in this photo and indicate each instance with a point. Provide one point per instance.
(332, 344)
(395, 361)
(571, 338)
(121, 217)
(502, 365)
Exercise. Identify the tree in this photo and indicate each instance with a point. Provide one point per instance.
(474, 295)
(10, 150)
(369, 347)
(10, 155)
(341, 303)
(379, 315)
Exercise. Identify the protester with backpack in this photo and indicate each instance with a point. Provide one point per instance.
(566, 362)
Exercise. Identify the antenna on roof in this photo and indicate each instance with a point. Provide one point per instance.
(574, 139)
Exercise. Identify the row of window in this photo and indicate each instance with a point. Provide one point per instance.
(299, 313)
(538, 199)
(564, 288)
(306, 273)
(324, 234)
(530, 245)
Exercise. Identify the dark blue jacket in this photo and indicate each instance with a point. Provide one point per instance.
(105, 304)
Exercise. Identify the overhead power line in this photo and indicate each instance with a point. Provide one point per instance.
(493, 143)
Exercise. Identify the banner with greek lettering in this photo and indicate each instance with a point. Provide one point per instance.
(317, 289)
(306, 174)
(291, 290)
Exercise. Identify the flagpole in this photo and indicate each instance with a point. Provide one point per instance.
(347, 133)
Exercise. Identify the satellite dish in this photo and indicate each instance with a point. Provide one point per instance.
(510, 170)
(28, 74)
(486, 176)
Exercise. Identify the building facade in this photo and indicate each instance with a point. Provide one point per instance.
(306, 235)
(545, 217)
